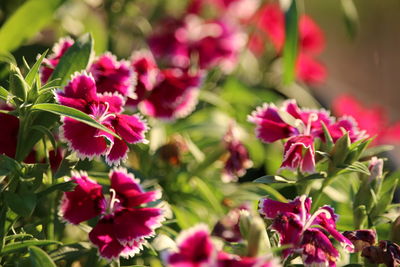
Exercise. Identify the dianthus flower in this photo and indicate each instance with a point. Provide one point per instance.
(147, 72)
(306, 233)
(87, 141)
(238, 160)
(124, 223)
(270, 21)
(113, 76)
(308, 124)
(211, 43)
(174, 96)
(195, 249)
(50, 63)
(373, 119)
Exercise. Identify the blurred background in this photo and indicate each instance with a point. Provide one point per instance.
(361, 53)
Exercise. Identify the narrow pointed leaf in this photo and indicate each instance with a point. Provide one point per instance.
(291, 43)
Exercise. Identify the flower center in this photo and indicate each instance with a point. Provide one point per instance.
(100, 111)
(112, 201)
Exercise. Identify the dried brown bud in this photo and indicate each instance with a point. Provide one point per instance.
(361, 238)
(386, 252)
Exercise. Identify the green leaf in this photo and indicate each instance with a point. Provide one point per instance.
(75, 59)
(20, 245)
(273, 179)
(30, 77)
(355, 167)
(350, 17)
(6, 95)
(209, 195)
(8, 165)
(23, 204)
(74, 114)
(46, 132)
(29, 19)
(63, 187)
(291, 43)
(39, 258)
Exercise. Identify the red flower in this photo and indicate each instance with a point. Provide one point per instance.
(373, 120)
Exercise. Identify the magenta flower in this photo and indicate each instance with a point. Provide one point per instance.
(212, 43)
(174, 96)
(88, 142)
(113, 76)
(196, 249)
(147, 72)
(307, 233)
(238, 159)
(306, 125)
(50, 63)
(123, 223)
(299, 152)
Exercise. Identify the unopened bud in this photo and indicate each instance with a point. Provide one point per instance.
(361, 238)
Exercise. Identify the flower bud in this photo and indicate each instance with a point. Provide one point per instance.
(18, 86)
(361, 238)
(386, 252)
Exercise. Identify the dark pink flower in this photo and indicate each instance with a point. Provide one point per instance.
(210, 43)
(174, 96)
(124, 223)
(238, 159)
(196, 249)
(113, 76)
(299, 153)
(307, 233)
(50, 63)
(147, 71)
(88, 142)
(373, 120)
(270, 127)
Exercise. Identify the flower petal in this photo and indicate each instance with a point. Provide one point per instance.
(128, 189)
(104, 238)
(84, 202)
(117, 153)
(131, 128)
(195, 248)
(299, 153)
(81, 88)
(138, 223)
(270, 126)
(85, 140)
(318, 249)
(113, 76)
(115, 101)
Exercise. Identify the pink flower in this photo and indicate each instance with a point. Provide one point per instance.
(310, 70)
(174, 96)
(299, 152)
(88, 142)
(113, 76)
(211, 43)
(307, 233)
(124, 223)
(236, 9)
(50, 63)
(373, 120)
(238, 159)
(147, 72)
(195, 249)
